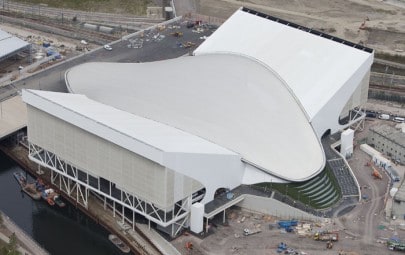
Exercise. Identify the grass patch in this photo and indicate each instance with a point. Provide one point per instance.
(294, 191)
(135, 7)
(2, 244)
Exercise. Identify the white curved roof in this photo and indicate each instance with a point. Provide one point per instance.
(229, 100)
(314, 66)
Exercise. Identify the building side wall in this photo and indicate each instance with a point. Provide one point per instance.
(274, 207)
(101, 158)
(398, 208)
(328, 116)
(386, 146)
(179, 186)
(358, 98)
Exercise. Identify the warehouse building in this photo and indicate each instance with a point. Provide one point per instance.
(389, 141)
(157, 144)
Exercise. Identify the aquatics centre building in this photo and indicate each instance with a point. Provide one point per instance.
(242, 110)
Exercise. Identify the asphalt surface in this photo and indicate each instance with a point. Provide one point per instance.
(165, 46)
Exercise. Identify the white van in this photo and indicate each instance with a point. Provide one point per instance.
(384, 116)
(399, 119)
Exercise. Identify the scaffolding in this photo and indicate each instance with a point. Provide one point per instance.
(78, 184)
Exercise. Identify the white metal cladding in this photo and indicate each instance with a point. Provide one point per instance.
(135, 174)
(230, 100)
(10, 44)
(80, 144)
(315, 68)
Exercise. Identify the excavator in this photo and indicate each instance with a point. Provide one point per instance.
(376, 174)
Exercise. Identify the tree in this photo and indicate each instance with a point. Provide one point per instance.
(11, 247)
(12, 243)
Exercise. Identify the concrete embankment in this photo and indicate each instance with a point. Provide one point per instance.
(29, 246)
(139, 243)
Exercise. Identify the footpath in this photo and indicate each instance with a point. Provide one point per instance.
(30, 246)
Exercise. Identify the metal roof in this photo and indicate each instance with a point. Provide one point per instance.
(314, 65)
(10, 44)
(232, 101)
(393, 134)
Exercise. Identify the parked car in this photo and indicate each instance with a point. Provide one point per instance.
(107, 47)
(384, 116)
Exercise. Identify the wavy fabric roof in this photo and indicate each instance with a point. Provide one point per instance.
(229, 100)
(314, 66)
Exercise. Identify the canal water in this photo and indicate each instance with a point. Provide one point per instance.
(61, 231)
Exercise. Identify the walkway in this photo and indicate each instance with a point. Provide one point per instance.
(32, 246)
(158, 241)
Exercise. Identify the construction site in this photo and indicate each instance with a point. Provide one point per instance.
(364, 222)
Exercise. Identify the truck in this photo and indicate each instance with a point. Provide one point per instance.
(288, 225)
(248, 232)
(326, 236)
(396, 245)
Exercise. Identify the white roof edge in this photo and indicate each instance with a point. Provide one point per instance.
(144, 148)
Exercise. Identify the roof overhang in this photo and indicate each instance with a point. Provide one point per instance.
(10, 44)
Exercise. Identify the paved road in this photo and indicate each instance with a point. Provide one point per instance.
(364, 219)
(168, 47)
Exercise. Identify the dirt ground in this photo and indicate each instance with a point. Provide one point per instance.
(384, 21)
(65, 46)
(363, 230)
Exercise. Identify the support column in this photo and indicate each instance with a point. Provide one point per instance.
(133, 220)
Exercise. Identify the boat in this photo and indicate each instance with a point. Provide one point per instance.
(28, 188)
(119, 243)
(58, 201)
(47, 196)
(52, 197)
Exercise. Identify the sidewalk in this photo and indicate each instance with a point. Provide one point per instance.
(32, 246)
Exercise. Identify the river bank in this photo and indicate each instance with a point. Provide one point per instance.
(25, 244)
(96, 211)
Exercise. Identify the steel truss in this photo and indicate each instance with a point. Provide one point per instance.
(76, 184)
(356, 119)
